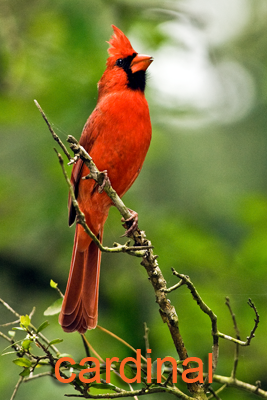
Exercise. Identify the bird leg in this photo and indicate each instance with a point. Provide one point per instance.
(104, 175)
(131, 224)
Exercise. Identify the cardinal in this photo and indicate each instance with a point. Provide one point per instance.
(117, 136)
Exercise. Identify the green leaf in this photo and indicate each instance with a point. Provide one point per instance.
(53, 284)
(11, 334)
(42, 326)
(22, 362)
(26, 343)
(128, 371)
(117, 366)
(54, 308)
(25, 321)
(55, 341)
(25, 372)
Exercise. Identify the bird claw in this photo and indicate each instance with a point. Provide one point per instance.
(131, 224)
(105, 181)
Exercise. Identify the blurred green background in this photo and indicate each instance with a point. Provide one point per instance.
(202, 193)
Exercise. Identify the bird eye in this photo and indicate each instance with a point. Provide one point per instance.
(119, 62)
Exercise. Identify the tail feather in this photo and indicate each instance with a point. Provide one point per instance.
(80, 305)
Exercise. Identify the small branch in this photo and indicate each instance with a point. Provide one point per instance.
(229, 381)
(113, 387)
(256, 320)
(174, 287)
(120, 340)
(100, 358)
(215, 393)
(86, 345)
(41, 375)
(54, 135)
(252, 333)
(203, 306)
(236, 356)
(32, 313)
(146, 337)
(6, 338)
(118, 248)
(10, 323)
(16, 388)
(9, 308)
(141, 392)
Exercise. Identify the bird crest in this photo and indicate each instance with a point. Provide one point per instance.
(120, 45)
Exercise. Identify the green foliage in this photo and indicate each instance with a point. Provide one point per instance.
(54, 308)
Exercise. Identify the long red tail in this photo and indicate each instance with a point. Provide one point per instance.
(80, 305)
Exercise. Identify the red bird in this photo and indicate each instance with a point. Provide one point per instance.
(117, 137)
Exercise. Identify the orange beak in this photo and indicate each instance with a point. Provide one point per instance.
(141, 62)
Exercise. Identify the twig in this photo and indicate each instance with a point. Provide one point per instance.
(6, 337)
(55, 137)
(229, 381)
(86, 345)
(256, 320)
(214, 394)
(41, 375)
(118, 248)
(32, 313)
(141, 392)
(236, 355)
(16, 388)
(90, 347)
(11, 323)
(203, 306)
(101, 359)
(252, 333)
(9, 308)
(146, 339)
(174, 287)
(120, 340)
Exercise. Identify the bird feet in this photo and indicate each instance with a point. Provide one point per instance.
(104, 174)
(131, 224)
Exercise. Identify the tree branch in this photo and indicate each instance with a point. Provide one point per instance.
(143, 248)
(141, 392)
(229, 381)
(203, 306)
(149, 261)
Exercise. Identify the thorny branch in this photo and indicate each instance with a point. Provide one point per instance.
(252, 333)
(167, 311)
(149, 261)
(185, 280)
(118, 248)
